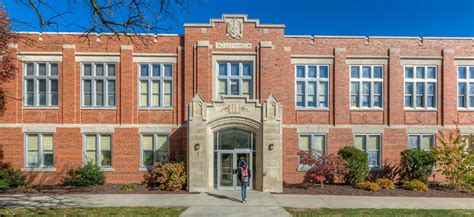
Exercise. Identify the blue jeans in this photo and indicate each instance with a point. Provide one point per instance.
(243, 188)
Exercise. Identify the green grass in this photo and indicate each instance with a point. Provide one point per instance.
(378, 212)
(107, 211)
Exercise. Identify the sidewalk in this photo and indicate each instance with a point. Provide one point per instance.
(225, 203)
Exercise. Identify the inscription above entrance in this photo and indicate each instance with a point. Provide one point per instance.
(234, 45)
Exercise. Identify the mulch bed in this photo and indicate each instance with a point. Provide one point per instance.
(315, 189)
(97, 189)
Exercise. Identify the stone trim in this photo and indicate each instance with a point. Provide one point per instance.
(312, 60)
(40, 56)
(242, 16)
(366, 61)
(204, 44)
(421, 60)
(97, 57)
(463, 61)
(69, 46)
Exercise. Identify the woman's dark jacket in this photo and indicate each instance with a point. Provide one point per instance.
(239, 174)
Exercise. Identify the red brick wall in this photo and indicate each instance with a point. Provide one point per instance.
(193, 74)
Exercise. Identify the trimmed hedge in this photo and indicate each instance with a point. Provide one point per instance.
(357, 162)
(416, 164)
(85, 176)
(10, 178)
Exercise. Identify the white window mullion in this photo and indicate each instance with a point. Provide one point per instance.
(40, 162)
(97, 150)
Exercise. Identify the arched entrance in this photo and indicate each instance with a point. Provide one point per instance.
(231, 146)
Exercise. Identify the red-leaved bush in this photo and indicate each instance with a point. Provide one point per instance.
(325, 168)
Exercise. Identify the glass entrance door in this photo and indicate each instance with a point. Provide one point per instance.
(228, 166)
(227, 170)
(232, 146)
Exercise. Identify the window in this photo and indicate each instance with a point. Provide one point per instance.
(466, 87)
(371, 144)
(155, 148)
(420, 87)
(98, 85)
(366, 86)
(234, 78)
(41, 84)
(312, 86)
(421, 141)
(98, 149)
(314, 143)
(156, 85)
(39, 150)
(469, 139)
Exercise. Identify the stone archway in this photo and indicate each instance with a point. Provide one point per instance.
(264, 120)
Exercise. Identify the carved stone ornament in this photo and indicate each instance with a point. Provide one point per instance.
(234, 28)
(234, 109)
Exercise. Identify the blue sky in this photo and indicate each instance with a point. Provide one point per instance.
(316, 17)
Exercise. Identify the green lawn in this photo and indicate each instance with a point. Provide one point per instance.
(115, 211)
(378, 212)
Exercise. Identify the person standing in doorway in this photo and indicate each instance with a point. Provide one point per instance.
(244, 177)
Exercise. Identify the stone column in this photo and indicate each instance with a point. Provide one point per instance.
(272, 150)
(197, 168)
(341, 88)
(70, 99)
(125, 91)
(396, 114)
(447, 85)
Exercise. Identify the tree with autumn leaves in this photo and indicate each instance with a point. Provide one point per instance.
(8, 66)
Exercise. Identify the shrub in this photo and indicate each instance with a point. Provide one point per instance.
(416, 164)
(330, 168)
(168, 176)
(415, 185)
(10, 177)
(88, 175)
(4, 185)
(385, 183)
(455, 159)
(128, 187)
(369, 186)
(357, 162)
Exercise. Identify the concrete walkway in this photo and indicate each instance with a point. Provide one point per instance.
(227, 203)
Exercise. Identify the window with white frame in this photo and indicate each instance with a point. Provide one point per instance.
(155, 148)
(421, 141)
(313, 143)
(469, 140)
(372, 145)
(98, 149)
(235, 78)
(312, 86)
(40, 84)
(39, 150)
(98, 84)
(466, 87)
(420, 87)
(156, 85)
(366, 86)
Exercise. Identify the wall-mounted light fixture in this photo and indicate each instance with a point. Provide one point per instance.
(270, 146)
(196, 146)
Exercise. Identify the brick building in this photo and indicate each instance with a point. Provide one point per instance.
(229, 90)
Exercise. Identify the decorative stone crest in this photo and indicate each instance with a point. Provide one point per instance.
(234, 109)
(234, 27)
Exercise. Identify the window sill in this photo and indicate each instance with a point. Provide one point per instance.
(311, 109)
(155, 109)
(376, 169)
(107, 169)
(144, 169)
(99, 108)
(40, 107)
(466, 109)
(421, 109)
(39, 169)
(366, 109)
